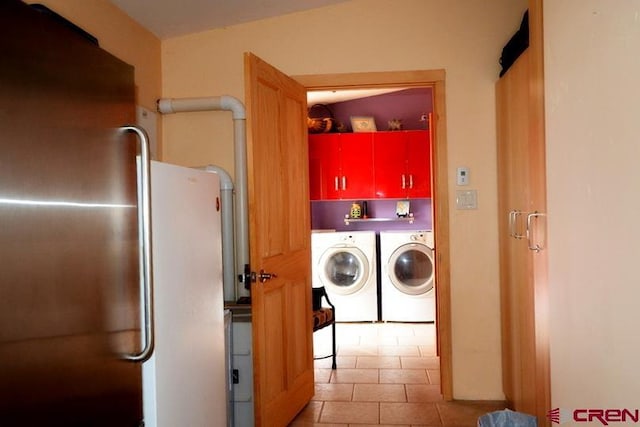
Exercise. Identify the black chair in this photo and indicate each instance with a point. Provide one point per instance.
(323, 317)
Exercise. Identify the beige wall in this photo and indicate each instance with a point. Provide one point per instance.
(122, 37)
(464, 37)
(593, 151)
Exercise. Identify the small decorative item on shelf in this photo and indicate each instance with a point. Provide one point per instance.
(363, 124)
(395, 124)
(356, 211)
(402, 208)
(320, 120)
(365, 210)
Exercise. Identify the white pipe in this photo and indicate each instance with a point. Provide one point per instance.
(226, 103)
(212, 103)
(228, 250)
(242, 204)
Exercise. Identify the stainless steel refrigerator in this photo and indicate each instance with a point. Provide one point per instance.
(75, 323)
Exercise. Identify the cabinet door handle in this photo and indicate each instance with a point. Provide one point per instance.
(411, 181)
(513, 221)
(344, 183)
(533, 246)
(404, 182)
(335, 182)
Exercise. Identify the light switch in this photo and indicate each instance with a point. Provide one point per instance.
(466, 199)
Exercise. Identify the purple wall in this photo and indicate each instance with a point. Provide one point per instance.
(329, 215)
(408, 105)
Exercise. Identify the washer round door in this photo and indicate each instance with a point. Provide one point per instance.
(343, 270)
(411, 269)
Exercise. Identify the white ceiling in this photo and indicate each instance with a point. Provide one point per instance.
(331, 96)
(171, 18)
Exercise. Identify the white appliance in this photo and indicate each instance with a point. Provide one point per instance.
(184, 382)
(345, 264)
(407, 285)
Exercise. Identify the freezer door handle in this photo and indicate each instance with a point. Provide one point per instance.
(146, 261)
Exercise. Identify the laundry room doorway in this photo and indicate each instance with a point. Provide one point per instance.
(434, 79)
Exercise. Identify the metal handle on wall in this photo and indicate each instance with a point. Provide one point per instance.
(411, 181)
(530, 243)
(344, 183)
(146, 262)
(335, 183)
(404, 182)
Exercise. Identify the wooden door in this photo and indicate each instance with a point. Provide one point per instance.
(278, 186)
(512, 115)
(522, 281)
(504, 203)
(538, 198)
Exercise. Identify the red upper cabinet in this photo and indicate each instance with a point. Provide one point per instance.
(390, 164)
(402, 163)
(324, 165)
(356, 156)
(383, 165)
(419, 163)
(340, 166)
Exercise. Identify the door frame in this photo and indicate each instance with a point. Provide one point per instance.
(406, 79)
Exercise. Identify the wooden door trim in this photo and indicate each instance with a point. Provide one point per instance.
(436, 80)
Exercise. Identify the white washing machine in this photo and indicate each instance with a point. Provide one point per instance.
(407, 288)
(345, 264)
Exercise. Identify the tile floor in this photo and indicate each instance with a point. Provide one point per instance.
(388, 374)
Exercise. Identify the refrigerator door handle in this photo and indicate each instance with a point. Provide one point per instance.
(146, 263)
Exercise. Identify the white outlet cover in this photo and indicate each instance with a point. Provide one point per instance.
(466, 199)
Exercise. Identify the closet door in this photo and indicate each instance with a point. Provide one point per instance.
(517, 281)
(522, 222)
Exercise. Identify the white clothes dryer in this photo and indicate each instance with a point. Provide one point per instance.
(407, 288)
(345, 264)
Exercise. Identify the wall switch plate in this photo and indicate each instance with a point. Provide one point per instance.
(466, 199)
(462, 176)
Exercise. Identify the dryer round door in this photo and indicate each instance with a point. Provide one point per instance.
(411, 268)
(343, 270)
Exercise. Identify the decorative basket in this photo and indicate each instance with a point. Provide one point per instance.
(320, 120)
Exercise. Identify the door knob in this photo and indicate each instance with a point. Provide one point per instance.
(251, 277)
(263, 276)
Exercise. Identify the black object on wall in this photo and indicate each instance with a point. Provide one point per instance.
(516, 45)
(64, 21)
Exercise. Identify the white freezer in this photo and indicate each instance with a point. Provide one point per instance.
(184, 381)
